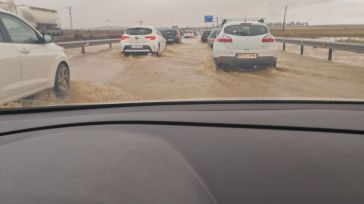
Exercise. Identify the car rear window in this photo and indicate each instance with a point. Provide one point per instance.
(206, 33)
(139, 31)
(170, 32)
(246, 30)
(215, 33)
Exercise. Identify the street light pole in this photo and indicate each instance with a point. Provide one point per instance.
(69, 8)
(284, 20)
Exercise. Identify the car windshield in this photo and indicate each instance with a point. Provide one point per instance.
(59, 53)
(139, 31)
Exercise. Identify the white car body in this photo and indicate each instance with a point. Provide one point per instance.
(26, 68)
(189, 34)
(137, 40)
(245, 43)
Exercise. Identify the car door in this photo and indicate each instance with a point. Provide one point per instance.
(10, 69)
(36, 58)
(162, 40)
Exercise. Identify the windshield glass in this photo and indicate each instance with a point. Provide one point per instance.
(59, 53)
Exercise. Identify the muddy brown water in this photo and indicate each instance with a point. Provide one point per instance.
(187, 71)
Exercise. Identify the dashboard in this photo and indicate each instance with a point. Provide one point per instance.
(224, 152)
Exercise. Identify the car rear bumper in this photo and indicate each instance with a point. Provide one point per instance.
(260, 60)
(172, 40)
(220, 50)
(144, 49)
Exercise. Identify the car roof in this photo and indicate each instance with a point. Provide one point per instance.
(244, 22)
(150, 27)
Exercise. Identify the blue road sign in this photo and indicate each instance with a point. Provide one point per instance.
(209, 19)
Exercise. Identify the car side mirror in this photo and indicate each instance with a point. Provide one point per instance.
(47, 39)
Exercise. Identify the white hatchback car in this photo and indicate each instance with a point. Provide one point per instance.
(142, 39)
(246, 43)
(29, 62)
(189, 34)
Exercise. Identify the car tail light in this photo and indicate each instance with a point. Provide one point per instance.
(224, 39)
(268, 39)
(151, 37)
(124, 37)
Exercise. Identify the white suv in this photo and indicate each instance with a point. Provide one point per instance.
(29, 62)
(247, 43)
(142, 39)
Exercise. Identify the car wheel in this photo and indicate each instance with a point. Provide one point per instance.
(219, 65)
(62, 81)
(126, 54)
(275, 64)
(159, 53)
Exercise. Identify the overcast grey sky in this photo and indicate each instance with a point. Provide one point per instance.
(94, 13)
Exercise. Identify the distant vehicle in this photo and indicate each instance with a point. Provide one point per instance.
(29, 62)
(189, 34)
(246, 44)
(205, 34)
(46, 21)
(214, 33)
(142, 39)
(172, 36)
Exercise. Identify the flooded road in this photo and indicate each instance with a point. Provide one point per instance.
(187, 71)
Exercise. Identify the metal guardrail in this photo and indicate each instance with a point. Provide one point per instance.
(331, 46)
(86, 43)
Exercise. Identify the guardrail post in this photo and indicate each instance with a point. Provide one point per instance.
(330, 54)
(83, 49)
(284, 46)
(302, 49)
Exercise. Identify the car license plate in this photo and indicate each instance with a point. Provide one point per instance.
(137, 46)
(170, 40)
(247, 56)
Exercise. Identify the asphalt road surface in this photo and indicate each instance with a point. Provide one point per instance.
(187, 71)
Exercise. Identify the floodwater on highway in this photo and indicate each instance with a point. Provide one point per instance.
(187, 71)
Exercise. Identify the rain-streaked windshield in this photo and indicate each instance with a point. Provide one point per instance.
(66, 52)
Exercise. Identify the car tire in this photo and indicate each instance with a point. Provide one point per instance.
(62, 80)
(275, 64)
(158, 53)
(219, 65)
(126, 54)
